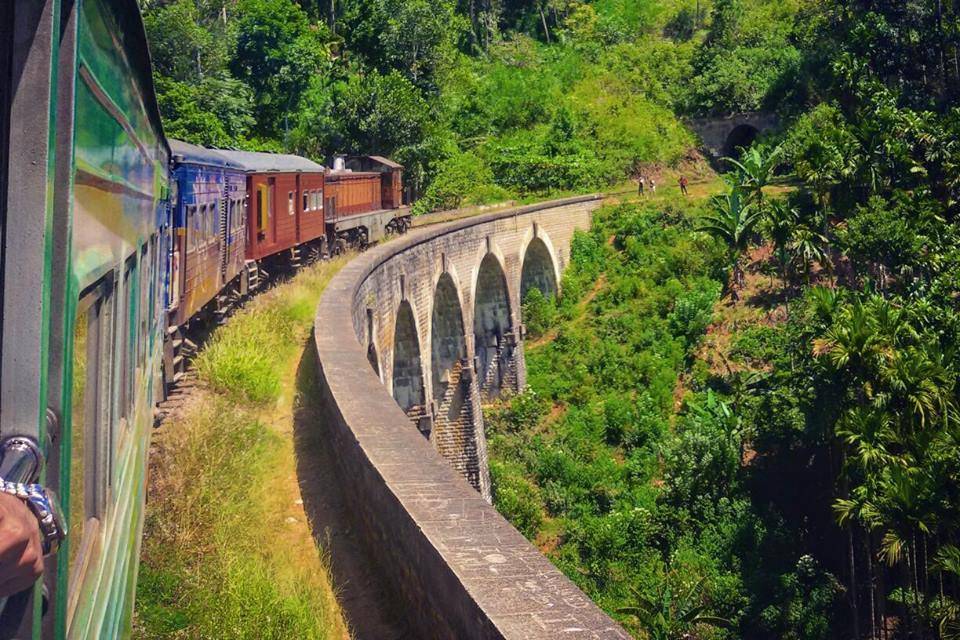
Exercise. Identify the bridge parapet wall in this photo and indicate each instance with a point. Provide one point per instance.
(461, 570)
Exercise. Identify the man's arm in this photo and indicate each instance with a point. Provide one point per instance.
(21, 556)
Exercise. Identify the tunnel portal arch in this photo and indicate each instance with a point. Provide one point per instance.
(739, 138)
(538, 270)
(492, 326)
(408, 386)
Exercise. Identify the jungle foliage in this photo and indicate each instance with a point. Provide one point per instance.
(806, 489)
(807, 485)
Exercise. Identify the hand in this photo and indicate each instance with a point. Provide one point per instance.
(21, 555)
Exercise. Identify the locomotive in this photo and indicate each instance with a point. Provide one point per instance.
(115, 242)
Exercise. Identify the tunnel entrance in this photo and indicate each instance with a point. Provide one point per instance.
(538, 271)
(408, 388)
(493, 338)
(739, 139)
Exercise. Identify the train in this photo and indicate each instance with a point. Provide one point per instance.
(117, 243)
(239, 216)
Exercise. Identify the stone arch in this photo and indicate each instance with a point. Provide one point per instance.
(408, 386)
(447, 337)
(373, 356)
(538, 269)
(740, 137)
(494, 340)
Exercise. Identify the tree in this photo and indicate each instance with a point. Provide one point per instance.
(277, 53)
(733, 221)
(673, 611)
(419, 39)
(755, 170)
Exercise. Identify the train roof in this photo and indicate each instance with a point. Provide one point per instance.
(387, 162)
(259, 162)
(186, 153)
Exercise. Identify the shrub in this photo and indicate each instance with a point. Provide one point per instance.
(539, 312)
(517, 499)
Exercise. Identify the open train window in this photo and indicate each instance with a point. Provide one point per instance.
(291, 203)
(90, 419)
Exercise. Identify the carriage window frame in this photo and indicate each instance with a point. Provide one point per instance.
(97, 304)
(128, 330)
(189, 214)
(319, 199)
(291, 203)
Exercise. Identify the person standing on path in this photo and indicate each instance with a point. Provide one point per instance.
(643, 182)
(683, 185)
(653, 187)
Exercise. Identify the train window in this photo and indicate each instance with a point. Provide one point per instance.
(188, 226)
(306, 201)
(320, 200)
(128, 336)
(90, 419)
(210, 218)
(313, 200)
(291, 203)
(239, 219)
(146, 299)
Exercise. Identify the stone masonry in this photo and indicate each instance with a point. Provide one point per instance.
(459, 568)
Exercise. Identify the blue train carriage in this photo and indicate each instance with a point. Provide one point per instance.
(209, 240)
(86, 218)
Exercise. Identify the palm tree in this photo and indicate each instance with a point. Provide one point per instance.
(782, 222)
(755, 170)
(733, 220)
(807, 248)
(670, 614)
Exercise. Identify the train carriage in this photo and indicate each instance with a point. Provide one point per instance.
(85, 212)
(364, 200)
(284, 206)
(209, 223)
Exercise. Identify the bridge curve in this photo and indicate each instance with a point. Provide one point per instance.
(386, 326)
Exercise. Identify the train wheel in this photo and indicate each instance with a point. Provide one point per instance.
(339, 247)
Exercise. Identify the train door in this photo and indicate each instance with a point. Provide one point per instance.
(266, 223)
(35, 170)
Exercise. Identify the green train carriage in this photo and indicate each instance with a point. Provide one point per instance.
(85, 220)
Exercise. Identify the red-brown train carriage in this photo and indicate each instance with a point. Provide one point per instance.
(285, 217)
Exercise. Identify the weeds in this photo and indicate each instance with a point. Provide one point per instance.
(226, 554)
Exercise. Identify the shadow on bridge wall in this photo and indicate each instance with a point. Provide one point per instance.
(456, 566)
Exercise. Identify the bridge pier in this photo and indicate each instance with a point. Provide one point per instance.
(458, 433)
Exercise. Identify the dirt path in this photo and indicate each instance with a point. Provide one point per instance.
(370, 607)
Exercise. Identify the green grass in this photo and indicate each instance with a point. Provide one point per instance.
(221, 558)
(244, 361)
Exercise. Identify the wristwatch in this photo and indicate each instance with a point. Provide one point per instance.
(45, 507)
(21, 461)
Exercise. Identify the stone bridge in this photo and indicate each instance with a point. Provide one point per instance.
(441, 323)
(723, 136)
(411, 336)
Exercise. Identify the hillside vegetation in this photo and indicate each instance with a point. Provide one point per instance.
(743, 415)
(481, 100)
(227, 550)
